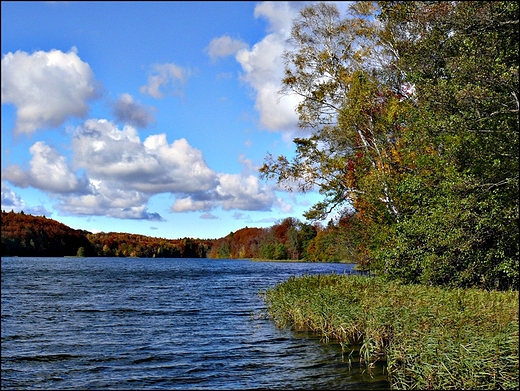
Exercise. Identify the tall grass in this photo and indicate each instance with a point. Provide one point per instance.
(430, 338)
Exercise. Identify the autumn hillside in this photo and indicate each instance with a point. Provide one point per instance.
(27, 235)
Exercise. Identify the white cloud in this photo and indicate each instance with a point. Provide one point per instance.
(264, 69)
(47, 88)
(283, 205)
(224, 46)
(121, 173)
(233, 192)
(164, 74)
(152, 166)
(48, 171)
(247, 164)
(117, 156)
(107, 200)
(188, 204)
(13, 202)
(279, 15)
(244, 193)
(126, 110)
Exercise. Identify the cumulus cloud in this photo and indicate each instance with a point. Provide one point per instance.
(120, 173)
(126, 110)
(47, 87)
(244, 192)
(152, 166)
(163, 75)
(233, 192)
(118, 156)
(189, 204)
(224, 46)
(263, 67)
(13, 202)
(107, 199)
(49, 171)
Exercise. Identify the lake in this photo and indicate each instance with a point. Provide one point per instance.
(137, 323)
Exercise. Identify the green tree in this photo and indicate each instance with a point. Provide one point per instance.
(414, 124)
(462, 58)
(267, 250)
(280, 252)
(224, 250)
(306, 233)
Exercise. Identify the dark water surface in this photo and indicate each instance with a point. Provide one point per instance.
(133, 323)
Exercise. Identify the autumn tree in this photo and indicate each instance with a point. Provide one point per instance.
(335, 66)
(27, 235)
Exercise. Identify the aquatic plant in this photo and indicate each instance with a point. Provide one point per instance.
(429, 337)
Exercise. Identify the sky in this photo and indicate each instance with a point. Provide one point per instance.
(150, 118)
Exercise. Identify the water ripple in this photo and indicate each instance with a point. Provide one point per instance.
(159, 324)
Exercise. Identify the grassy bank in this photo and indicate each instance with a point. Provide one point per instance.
(431, 338)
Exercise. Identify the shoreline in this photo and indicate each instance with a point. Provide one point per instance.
(429, 337)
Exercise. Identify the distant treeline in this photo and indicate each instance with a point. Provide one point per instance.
(28, 235)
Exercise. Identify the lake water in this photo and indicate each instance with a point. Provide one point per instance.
(133, 323)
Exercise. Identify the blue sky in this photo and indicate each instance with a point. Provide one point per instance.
(147, 117)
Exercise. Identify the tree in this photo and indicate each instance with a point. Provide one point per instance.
(412, 109)
(334, 67)
(280, 252)
(462, 58)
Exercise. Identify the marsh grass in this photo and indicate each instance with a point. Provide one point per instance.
(430, 338)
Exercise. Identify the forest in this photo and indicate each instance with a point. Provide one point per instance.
(27, 235)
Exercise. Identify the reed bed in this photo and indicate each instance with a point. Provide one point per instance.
(429, 337)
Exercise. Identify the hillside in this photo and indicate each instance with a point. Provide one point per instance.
(117, 244)
(28, 235)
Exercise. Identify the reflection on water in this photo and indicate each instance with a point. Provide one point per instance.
(125, 323)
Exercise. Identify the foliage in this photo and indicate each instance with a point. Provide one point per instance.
(430, 338)
(27, 235)
(413, 114)
(464, 66)
(115, 244)
(287, 239)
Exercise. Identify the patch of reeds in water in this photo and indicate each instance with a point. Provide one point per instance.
(430, 338)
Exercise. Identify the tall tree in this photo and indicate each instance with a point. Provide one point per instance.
(334, 63)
